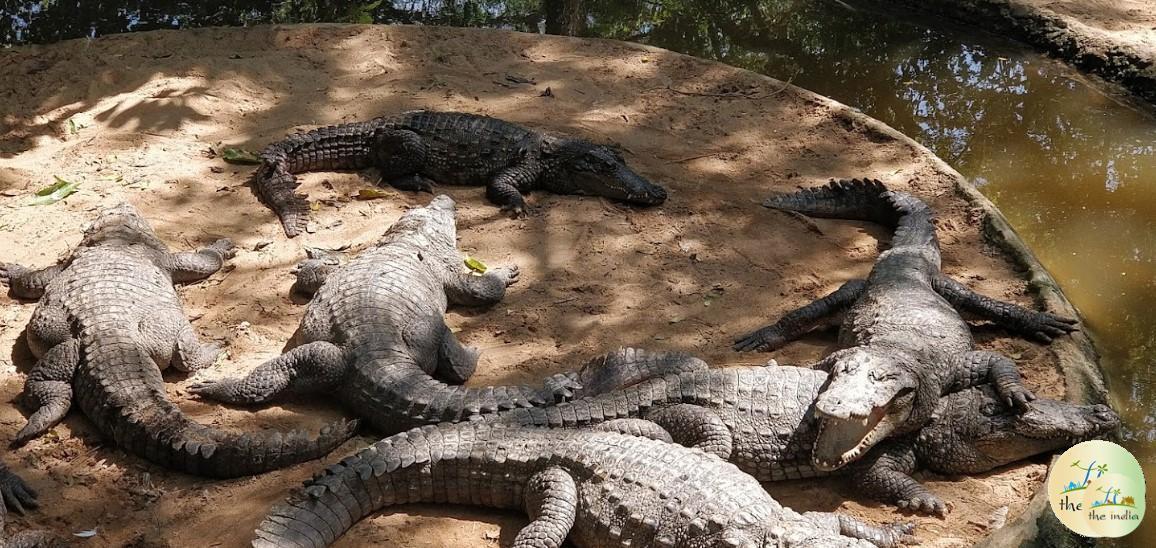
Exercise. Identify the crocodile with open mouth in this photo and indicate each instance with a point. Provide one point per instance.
(904, 342)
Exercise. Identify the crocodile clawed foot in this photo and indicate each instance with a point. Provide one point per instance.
(925, 504)
(211, 389)
(1016, 395)
(562, 387)
(1045, 326)
(8, 271)
(763, 340)
(520, 210)
(508, 273)
(17, 495)
(902, 532)
(225, 247)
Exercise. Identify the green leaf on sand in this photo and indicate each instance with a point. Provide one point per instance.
(59, 190)
(239, 156)
(475, 265)
(371, 194)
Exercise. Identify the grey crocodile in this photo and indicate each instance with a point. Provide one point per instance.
(763, 420)
(375, 336)
(15, 494)
(411, 148)
(904, 343)
(598, 488)
(108, 320)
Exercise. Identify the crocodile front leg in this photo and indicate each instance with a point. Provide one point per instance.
(49, 389)
(507, 186)
(400, 155)
(312, 367)
(197, 265)
(26, 283)
(551, 501)
(888, 536)
(980, 366)
(798, 322)
(695, 426)
(1042, 326)
(467, 289)
(885, 475)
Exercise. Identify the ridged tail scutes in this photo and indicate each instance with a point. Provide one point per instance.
(359, 485)
(163, 434)
(865, 200)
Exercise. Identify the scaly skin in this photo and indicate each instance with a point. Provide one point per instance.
(375, 337)
(598, 489)
(18, 496)
(107, 322)
(452, 148)
(762, 419)
(904, 343)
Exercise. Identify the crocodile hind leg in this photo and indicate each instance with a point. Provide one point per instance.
(695, 426)
(49, 389)
(312, 272)
(437, 351)
(200, 264)
(981, 366)
(312, 367)
(471, 290)
(26, 283)
(800, 321)
(885, 475)
(1042, 326)
(551, 500)
(48, 327)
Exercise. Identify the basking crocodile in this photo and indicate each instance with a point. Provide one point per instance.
(18, 496)
(763, 420)
(451, 148)
(107, 322)
(375, 336)
(904, 343)
(598, 488)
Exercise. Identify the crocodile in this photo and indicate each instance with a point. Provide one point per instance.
(107, 322)
(762, 419)
(19, 496)
(904, 344)
(411, 148)
(374, 334)
(597, 488)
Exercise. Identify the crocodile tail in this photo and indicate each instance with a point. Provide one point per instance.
(275, 186)
(400, 469)
(629, 366)
(865, 200)
(127, 401)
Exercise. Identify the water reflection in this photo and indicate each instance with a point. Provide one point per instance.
(1071, 166)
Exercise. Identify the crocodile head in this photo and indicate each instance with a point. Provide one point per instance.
(580, 167)
(429, 228)
(973, 431)
(121, 224)
(871, 395)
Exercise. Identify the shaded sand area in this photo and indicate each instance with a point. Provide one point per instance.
(136, 118)
(1115, 39)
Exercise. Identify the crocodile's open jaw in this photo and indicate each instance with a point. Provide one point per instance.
(843, 440)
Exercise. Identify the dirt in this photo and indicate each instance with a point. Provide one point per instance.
(1115, 39)
(134, 117)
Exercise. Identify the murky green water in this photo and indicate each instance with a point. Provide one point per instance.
(1071, 165)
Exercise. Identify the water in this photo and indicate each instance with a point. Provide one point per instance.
(1069, 162)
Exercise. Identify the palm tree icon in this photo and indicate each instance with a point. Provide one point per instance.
(1109, 493)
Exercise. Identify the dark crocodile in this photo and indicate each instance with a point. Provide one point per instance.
(452, 148)
(763, 420)
(597, 488)
(375, 336)
(107, 322)
(17, 495)
(904, 343)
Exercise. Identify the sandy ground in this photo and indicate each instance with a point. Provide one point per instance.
(1115, 39)
(132, 117)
